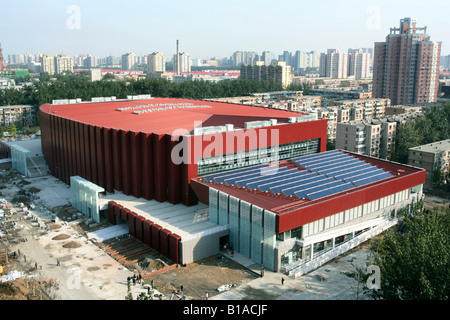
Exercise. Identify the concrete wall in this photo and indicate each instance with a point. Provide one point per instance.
(200, 246)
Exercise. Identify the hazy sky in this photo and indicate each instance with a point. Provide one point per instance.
(214, 28)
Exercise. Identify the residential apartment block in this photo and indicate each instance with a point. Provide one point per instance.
(48, 64)
(156, 62)
(278, 72)
(244, 58)
(129, 61)
(63, 64)
(359, 137)
(20, 115)
(334, 64)
(185, 61)
(57, 64)
(303, 60)
(373, 138)
(331, 114)
(406, 65)
(371, 108)
(359, 63)
(431, 157)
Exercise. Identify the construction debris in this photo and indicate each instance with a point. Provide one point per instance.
(13, 275)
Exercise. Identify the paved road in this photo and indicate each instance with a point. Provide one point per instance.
(337, 286)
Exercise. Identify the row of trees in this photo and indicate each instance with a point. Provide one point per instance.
(79, 86)
(433, 126)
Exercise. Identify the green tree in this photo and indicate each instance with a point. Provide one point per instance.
(331, 145)
(129, 295)
(12, 129)
(407, 137)
(109, 76)
(415, 262)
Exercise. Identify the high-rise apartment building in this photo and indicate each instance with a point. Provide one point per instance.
(268, 57)
(48, 64)
(90, 62)
(129, 61)
(445, 62)
(156, 62)
(63, 64)
(185, 60)
(334, 64)
(303, 60)
(286, 57)
(278, 72)
(244, 57)
(406, 65)
(359, 63)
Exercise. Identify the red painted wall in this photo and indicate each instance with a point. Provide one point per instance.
(174, 241)
(156, 228)
(111, 215)
(135, 162)
(164, 241)
(147, 165)
(125, 158)
(148, 232)
(108, 160)
(159, 167)
(131, 216)
(140, 228)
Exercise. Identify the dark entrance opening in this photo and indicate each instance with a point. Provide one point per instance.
(223, 241)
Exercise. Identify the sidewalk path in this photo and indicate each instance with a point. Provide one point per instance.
(337, 286)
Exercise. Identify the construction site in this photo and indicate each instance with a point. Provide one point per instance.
(47, 253)
(50, 251)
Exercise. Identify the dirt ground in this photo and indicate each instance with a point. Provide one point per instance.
(31, 287)
(17, 227)
(200, 277)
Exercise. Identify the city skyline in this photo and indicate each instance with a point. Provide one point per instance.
(101, 30)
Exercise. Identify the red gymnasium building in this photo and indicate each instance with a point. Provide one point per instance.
(189, 175)
(127, 145)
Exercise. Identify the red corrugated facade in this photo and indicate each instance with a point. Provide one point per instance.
(148, 232)
(132, 223)
(133, 153)
(156, 228)
(140, 227)
(174, 243)
(153, 235)
(164, 241)
(140, 163)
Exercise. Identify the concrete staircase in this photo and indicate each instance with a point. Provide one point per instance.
(37, 167)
